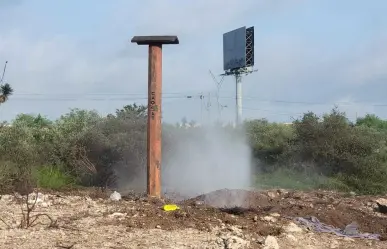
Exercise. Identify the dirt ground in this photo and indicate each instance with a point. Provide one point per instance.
(221, 219)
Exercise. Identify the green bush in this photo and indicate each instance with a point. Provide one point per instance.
(86, 149)
(53, 177)
(289, 179)
(269, 141)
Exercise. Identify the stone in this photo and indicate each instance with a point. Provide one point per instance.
(235, 242)
(382, 205)
(348, 239)
(45, 204)
(117, 214)
(115, 196)
(270, 243)
(269, 219)
(334, 244)
(291, 237)
(272, 195)
(7, 198)
(293, 228)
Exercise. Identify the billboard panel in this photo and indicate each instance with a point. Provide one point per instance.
(234, 49)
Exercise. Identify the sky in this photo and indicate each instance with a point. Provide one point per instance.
(311, 55)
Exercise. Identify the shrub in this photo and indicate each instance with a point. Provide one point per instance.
(53, 177)
(87, 149)
(269, 141)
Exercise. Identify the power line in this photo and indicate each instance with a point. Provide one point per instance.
(91, 99)
(258, 99)
(193, 95)
(124, 97)
(271, 111)
(167, 95)
(98, 94)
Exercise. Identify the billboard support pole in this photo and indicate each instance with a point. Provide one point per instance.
(238, 81)
(238, 59)
(154, 108)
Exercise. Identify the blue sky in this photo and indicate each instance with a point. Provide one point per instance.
(311, 56)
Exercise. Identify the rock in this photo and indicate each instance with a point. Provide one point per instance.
(7, 198)
(117, 214)
(45, 204)
(382, 205)
(255, 219)
(234, 242)
(272, 195)
(275, 214)
(115, 196)
(158, 227)
(199, 203)
(334, 244)
(282, 192)
(291, 237)
(235, 230)
(36, 198)
(270, 243)
(269, 219)
(293, 228)
(351, 229)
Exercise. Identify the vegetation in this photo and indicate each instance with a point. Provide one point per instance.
(5, 91)
(84, 148)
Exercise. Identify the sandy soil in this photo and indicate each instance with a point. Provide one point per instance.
(88, 219)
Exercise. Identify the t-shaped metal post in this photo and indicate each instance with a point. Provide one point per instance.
(154, 108)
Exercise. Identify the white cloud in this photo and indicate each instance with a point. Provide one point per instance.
(369, 63)
(62, 62)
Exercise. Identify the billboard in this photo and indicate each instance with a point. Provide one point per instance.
(238, 48)
(234, 49)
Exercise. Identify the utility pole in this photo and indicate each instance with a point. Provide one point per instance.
(201, 108)
(218, 86)
(208, 106)
(154, 108)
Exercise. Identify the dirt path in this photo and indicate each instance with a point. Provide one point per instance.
(85, 220)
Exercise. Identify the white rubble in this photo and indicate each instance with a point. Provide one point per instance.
(115, 196)
(270, 243)
(293, 228)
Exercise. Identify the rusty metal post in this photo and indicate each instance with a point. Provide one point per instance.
(154, 108)
(154, 120)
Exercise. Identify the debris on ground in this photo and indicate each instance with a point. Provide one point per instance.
(270, 243)
(350, 231)
(171, 207)
(115, 196)
(85, 219)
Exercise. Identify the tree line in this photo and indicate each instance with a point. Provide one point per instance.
(84, 148)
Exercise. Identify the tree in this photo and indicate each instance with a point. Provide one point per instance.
(5, 91)
(32, 121)
(372, 121)
(133, 110)
(184, 121)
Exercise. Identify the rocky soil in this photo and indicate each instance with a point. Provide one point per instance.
(221, 219)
